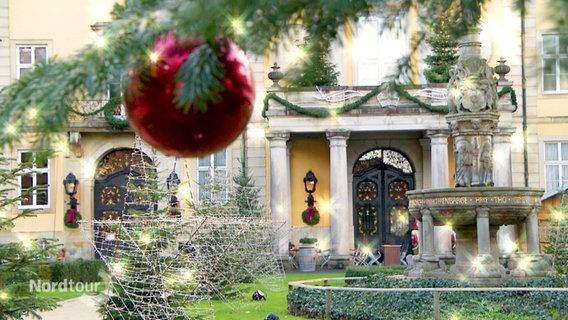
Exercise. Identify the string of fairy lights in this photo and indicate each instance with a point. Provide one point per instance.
(171, 266)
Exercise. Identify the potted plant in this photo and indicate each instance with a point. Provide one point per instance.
(307, 254)
(308, 241)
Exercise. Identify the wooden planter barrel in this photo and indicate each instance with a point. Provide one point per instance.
(307, 258)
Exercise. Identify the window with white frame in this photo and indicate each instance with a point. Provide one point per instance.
(555, 62)
(115, 91)
(556, 165)
(28, 55)
(34, 182)
(212, 175)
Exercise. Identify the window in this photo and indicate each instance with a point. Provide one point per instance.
(556, 165)
(115, 91)
(377, 51)
(34, 183)
(555, 62)
(28, 55)
(212, 177)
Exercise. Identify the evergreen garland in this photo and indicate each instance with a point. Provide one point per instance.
(509, 89)
(399, 89)
(110, 117)
(311, 216)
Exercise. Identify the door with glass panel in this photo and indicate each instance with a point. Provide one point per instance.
(381, 178)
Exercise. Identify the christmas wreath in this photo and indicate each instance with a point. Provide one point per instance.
(71, 218)
(115, 121)
(311, 216)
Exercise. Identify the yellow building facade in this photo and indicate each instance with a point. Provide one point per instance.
(280, 146)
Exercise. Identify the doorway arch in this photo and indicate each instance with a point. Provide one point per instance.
(381, 178)
(110, 191)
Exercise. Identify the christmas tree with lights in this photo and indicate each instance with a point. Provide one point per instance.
(19, 261)
(164, 265)
(444, 53)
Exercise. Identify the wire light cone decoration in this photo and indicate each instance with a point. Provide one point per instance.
(163, 266)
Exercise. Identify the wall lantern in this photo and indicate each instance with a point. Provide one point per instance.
(70, 184)
(172, 182)
(310, 183)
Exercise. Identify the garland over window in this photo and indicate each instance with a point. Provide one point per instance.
(107, 110)
(113, 120)
(399, 89)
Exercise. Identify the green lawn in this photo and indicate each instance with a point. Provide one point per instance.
(275, 301)
(241, 309)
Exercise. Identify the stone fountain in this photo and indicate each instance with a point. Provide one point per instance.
(476, 208)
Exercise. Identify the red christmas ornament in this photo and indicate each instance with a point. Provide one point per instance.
(152, 111)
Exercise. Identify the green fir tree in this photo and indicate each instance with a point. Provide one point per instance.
(19, 261)
(315, 69)
(246, 195)
(557, 236)
(143, 262)
(444, 53)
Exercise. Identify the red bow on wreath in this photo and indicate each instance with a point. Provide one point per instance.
(310, 211)
(71, 215)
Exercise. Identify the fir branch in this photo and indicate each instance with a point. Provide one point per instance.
(201, 76)
(137, 23)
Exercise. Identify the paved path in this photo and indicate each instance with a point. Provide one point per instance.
(80, 308)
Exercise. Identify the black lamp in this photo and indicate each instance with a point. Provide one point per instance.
(310, 183)
(172, 181)
(70, 183)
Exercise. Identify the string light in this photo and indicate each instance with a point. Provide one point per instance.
(27, 244)
(10, 129)
(558, 215)
(238, 26)
(154, 57)
(146, 238)
(33, 113)
(523, 264)
(3, 295)
(117, 268)
(100, 42)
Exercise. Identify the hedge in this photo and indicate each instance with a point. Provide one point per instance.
(79, 270)
(419, 305)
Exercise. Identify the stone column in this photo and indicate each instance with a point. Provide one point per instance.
(426, 163)
(486, 266)
(483, 235)
(533, 242)
(340, 217)
(429, 251)
(502, 173)
(280, 206)
(440, 175)
(443, 241)
(440, 178)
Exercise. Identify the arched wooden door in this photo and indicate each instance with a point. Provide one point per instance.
(381, 178)
(111, 179)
